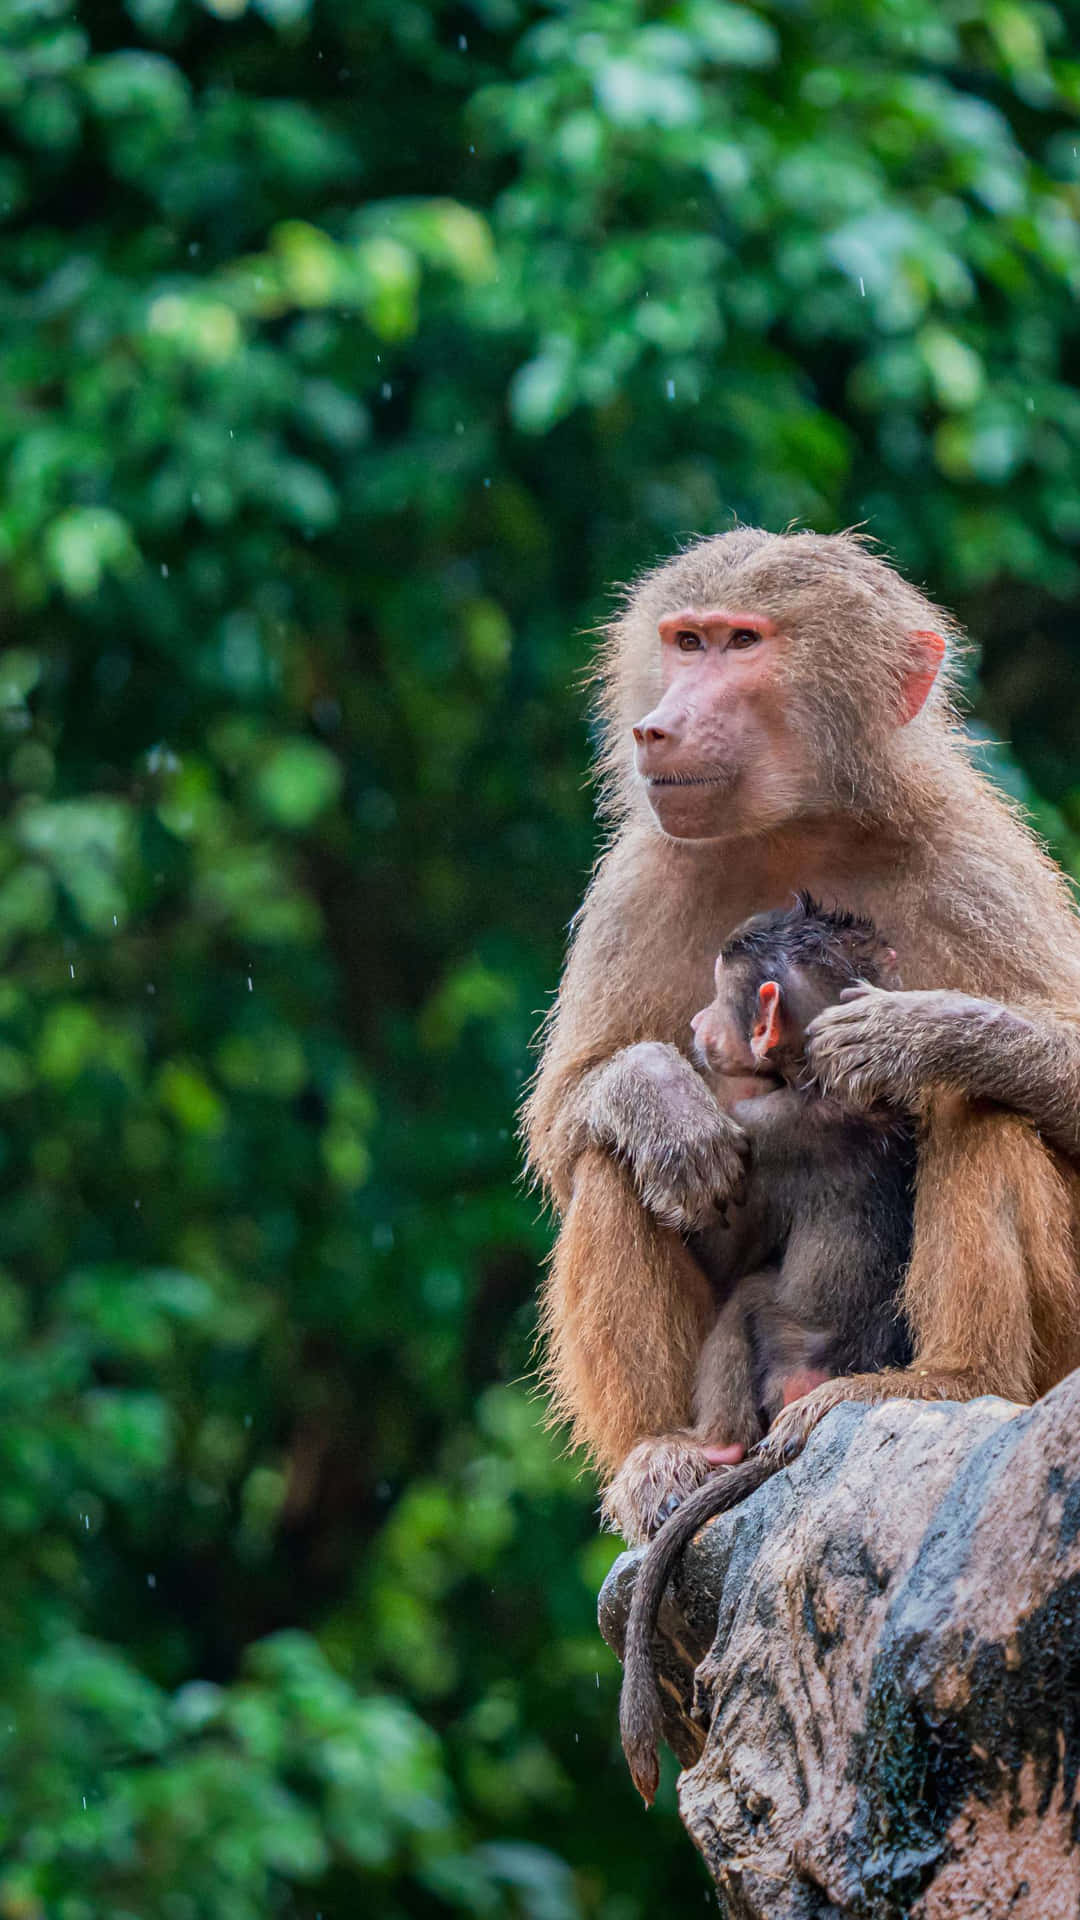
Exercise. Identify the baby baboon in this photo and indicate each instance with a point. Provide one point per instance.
(808, 1269)
(810, 1266)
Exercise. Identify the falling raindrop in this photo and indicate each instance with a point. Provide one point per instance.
(73, 970)
(862, 286)
(164, 571)
(251, 984)
(462, 42)
(671, 389)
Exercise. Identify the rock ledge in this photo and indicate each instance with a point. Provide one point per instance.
(871, 1671)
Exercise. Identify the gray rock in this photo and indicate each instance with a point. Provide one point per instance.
(883, 1646)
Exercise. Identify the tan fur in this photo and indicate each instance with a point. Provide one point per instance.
(892, 822)
(992, 1285)
(596, 1325)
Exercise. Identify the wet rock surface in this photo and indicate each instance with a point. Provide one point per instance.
(883, 1646)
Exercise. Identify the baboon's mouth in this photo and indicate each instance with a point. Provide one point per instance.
(682, 779)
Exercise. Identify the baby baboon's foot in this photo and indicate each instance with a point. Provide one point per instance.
(656, 1477)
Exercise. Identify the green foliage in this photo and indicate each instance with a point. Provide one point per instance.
(348, 353)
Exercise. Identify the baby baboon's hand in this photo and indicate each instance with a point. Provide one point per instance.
(686, 1157)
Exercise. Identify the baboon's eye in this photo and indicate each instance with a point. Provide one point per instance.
(688, 641)
(744, 637)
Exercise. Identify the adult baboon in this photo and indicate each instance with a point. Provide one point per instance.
(777, 718)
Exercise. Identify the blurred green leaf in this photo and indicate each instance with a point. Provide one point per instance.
(299, 781)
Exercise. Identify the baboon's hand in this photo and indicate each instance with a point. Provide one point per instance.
(686, 1156)
(655, 1479)
(792, 1428)
(880, 1046)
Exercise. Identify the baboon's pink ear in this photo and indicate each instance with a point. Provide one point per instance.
(766, 1034)
(929, 651)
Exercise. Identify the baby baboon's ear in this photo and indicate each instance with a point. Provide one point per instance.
(765, 1034)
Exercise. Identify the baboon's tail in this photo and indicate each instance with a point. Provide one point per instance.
(639, 1702)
